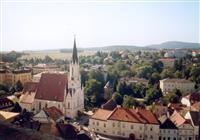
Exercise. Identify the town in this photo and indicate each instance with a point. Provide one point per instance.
(151, 94)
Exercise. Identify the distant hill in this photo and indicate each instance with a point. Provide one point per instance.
(118, 48)
(165, 45)
(175, 45)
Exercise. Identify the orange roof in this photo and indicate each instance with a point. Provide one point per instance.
(127, 115)
(196, 105)
(101, 114)
(178, 120)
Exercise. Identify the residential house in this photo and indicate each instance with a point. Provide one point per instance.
(167, 85)
(194, 117)
(168, 130)
(168, 62)
(185, 127)
(125, 123)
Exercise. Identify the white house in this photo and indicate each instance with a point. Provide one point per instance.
(167, 85)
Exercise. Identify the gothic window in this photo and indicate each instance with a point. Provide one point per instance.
(68, 105)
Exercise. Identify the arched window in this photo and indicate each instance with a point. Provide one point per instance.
(68, 105)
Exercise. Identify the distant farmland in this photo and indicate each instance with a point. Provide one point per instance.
(53, 54)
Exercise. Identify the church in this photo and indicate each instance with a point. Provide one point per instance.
(62, 91)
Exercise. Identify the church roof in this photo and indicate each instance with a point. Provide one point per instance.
(74, 54)
(52, 87)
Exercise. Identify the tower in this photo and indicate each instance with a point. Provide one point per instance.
(74, 96)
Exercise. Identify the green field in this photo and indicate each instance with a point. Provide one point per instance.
(53, 55)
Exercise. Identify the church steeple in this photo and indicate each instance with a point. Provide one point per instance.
(74, 54)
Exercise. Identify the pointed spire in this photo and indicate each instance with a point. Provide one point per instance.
(74, 54)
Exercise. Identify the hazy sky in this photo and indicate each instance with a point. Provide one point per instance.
(43, 24)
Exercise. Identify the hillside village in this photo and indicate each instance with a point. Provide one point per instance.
(143, 95)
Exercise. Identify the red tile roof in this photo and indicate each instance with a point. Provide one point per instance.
(53, 113)
(30, 87)
(52, 87)
(127, 115)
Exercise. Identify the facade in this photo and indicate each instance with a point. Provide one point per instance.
(185, 128)
(194, 117)
(167, 85)
(168, 62)
(58, 90)
(10, 77)
(125, 123)
(168, 130)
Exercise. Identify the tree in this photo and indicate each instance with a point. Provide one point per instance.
(19, 86)
(117, 98)
(195, 73)
(94, 93)
(48, 59)
(171, 98)
(152, 94)
(130, 102)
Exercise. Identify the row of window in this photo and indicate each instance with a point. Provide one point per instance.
(123, 125)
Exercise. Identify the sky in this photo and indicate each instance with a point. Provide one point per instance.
(52, 24)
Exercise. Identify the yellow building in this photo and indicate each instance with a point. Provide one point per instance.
(10, 77)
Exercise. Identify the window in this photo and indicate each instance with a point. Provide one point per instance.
(40, 106)
(123, 125)
(163, 138)
(68, 105)
(58, 106)
(168, 138)
(97, 123)
(190, 138)
(131, 126)
(113, 124)
(104, 125)
(151, 129)
(46, 105)
(174, 138)
(151, 137)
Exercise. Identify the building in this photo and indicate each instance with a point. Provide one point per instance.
(194, 117)
(168, 62)
(10, 77)
(185, 128)
(176, 53)
(168, 130)
(195, 53)
(6, 104)
(49, 115)
(65, 92)
(190, 99)
(45, 68)
(125, 123)
(27, 97)
(6, 116)
(167, 85)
